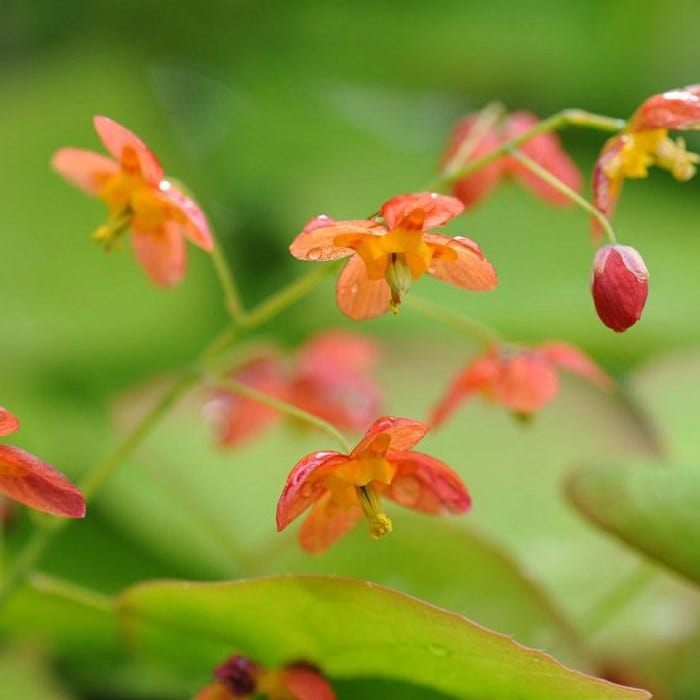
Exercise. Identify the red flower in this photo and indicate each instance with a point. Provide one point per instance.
(25, 478)
(386, 257)
(340, 488)
(620, 284)
(644, 143)
(469, 142)
(523, 380)
(329, 378)
(239, 677)
(133, 187)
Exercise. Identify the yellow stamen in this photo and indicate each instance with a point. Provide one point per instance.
(398, 276)
(671, 155)
(108, 233)
(379, 522)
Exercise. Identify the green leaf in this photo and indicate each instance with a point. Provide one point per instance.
(25, 675)
(654, 508)
(350, 629)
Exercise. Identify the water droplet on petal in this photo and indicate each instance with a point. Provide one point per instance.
(438, 650)
(354, 288)
(314, 254)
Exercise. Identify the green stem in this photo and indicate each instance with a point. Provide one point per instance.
(475, 329)
(558, 185)
(50, 585)
(232, 299)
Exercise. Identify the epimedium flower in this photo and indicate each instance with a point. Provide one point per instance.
(523, 380)
(138, 197)
(644, 143)
(341, 488)
(239, 677)
(31, 481)
(328, 377)
(620, 285)
(471, 139)
(388, 252)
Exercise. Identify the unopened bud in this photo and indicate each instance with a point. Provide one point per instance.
(620, 284)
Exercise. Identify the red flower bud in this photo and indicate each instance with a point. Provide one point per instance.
(620, 284)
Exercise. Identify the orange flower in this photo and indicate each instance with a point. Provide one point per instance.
(340, 488)
(645, 142)
(133, 187)
(523, 380)
(25, 478)
(386, 257)
(239, 677)
(468, 142)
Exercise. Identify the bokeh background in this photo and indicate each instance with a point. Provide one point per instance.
(273, 112)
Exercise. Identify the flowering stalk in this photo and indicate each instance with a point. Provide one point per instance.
(232, 299)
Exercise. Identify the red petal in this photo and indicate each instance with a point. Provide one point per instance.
(574, 360)
(404, 434)
(462, 265)
(129, 150)
(86, 169)
(307, 683)
(427, 484)
(336, 348)
(606, 190)
(9, 423)
(438, 208)
(676, 109)
(29, 480)
(161, 253)
(193, 220)
(317, 240)
(326, 524)
(303, 485)
(358, 296)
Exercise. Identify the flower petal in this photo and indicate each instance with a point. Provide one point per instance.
(325, 524)
(336, 348)
(29, 480)
(460, 262)
(306, 683)
(404, 434)
(9, 423)
(317, 240)
(188, 213)
(303, 486)
(676, 109)
(427, 484)
(606, 190)
(86, 169)
(161, 253)
(525, 382)
(574, 360)
(132, 154)
(358, 296)
(438, 208)
(215, 691)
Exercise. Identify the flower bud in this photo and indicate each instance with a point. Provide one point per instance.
(620, 284)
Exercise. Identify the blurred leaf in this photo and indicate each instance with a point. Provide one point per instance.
(24, 676)
(350, 629)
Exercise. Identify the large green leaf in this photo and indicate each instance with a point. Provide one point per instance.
(350, 629)
(654, 508)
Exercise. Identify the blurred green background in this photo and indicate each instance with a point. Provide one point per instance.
(273, 112)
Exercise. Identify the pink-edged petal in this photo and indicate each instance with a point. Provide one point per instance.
(404, 434)
(358, 296)
(9, 423)
(303, 485)
(132, 154)
(675, 109)
(85, 169)
(187, 213)
(306, 683)
(546, 150)
(525, 382)
(427, 484)
(460, 262)
(161, 253)
(438, 208)
(336, 348)
(215, 691)
(606, 190)
(574, 360)
(29, 480)
(318, 242)
(325, 524)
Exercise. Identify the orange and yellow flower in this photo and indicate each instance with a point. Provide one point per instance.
(138, 197)
(341, 488)
(524, 380)
(387, 253)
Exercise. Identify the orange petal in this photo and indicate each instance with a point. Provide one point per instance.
(605, 189)
(29, 480)
(460, 262)
(9, 423)
(574, 360)
(132, 153)
(161, 253)
(676, 109)
(427, 484)
(335, 348)
(193, 220)
(86, 169)
(215, 691)
(404, 434)
(325, 524)
(318, 242)
(306, 683)
(358, 296)
(303, 485)
(438, 208)
(525, 382)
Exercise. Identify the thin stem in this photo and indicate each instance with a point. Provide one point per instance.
(558, 185)
(232, 298)
(72, 592)
(281, 406)
(475, 329)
